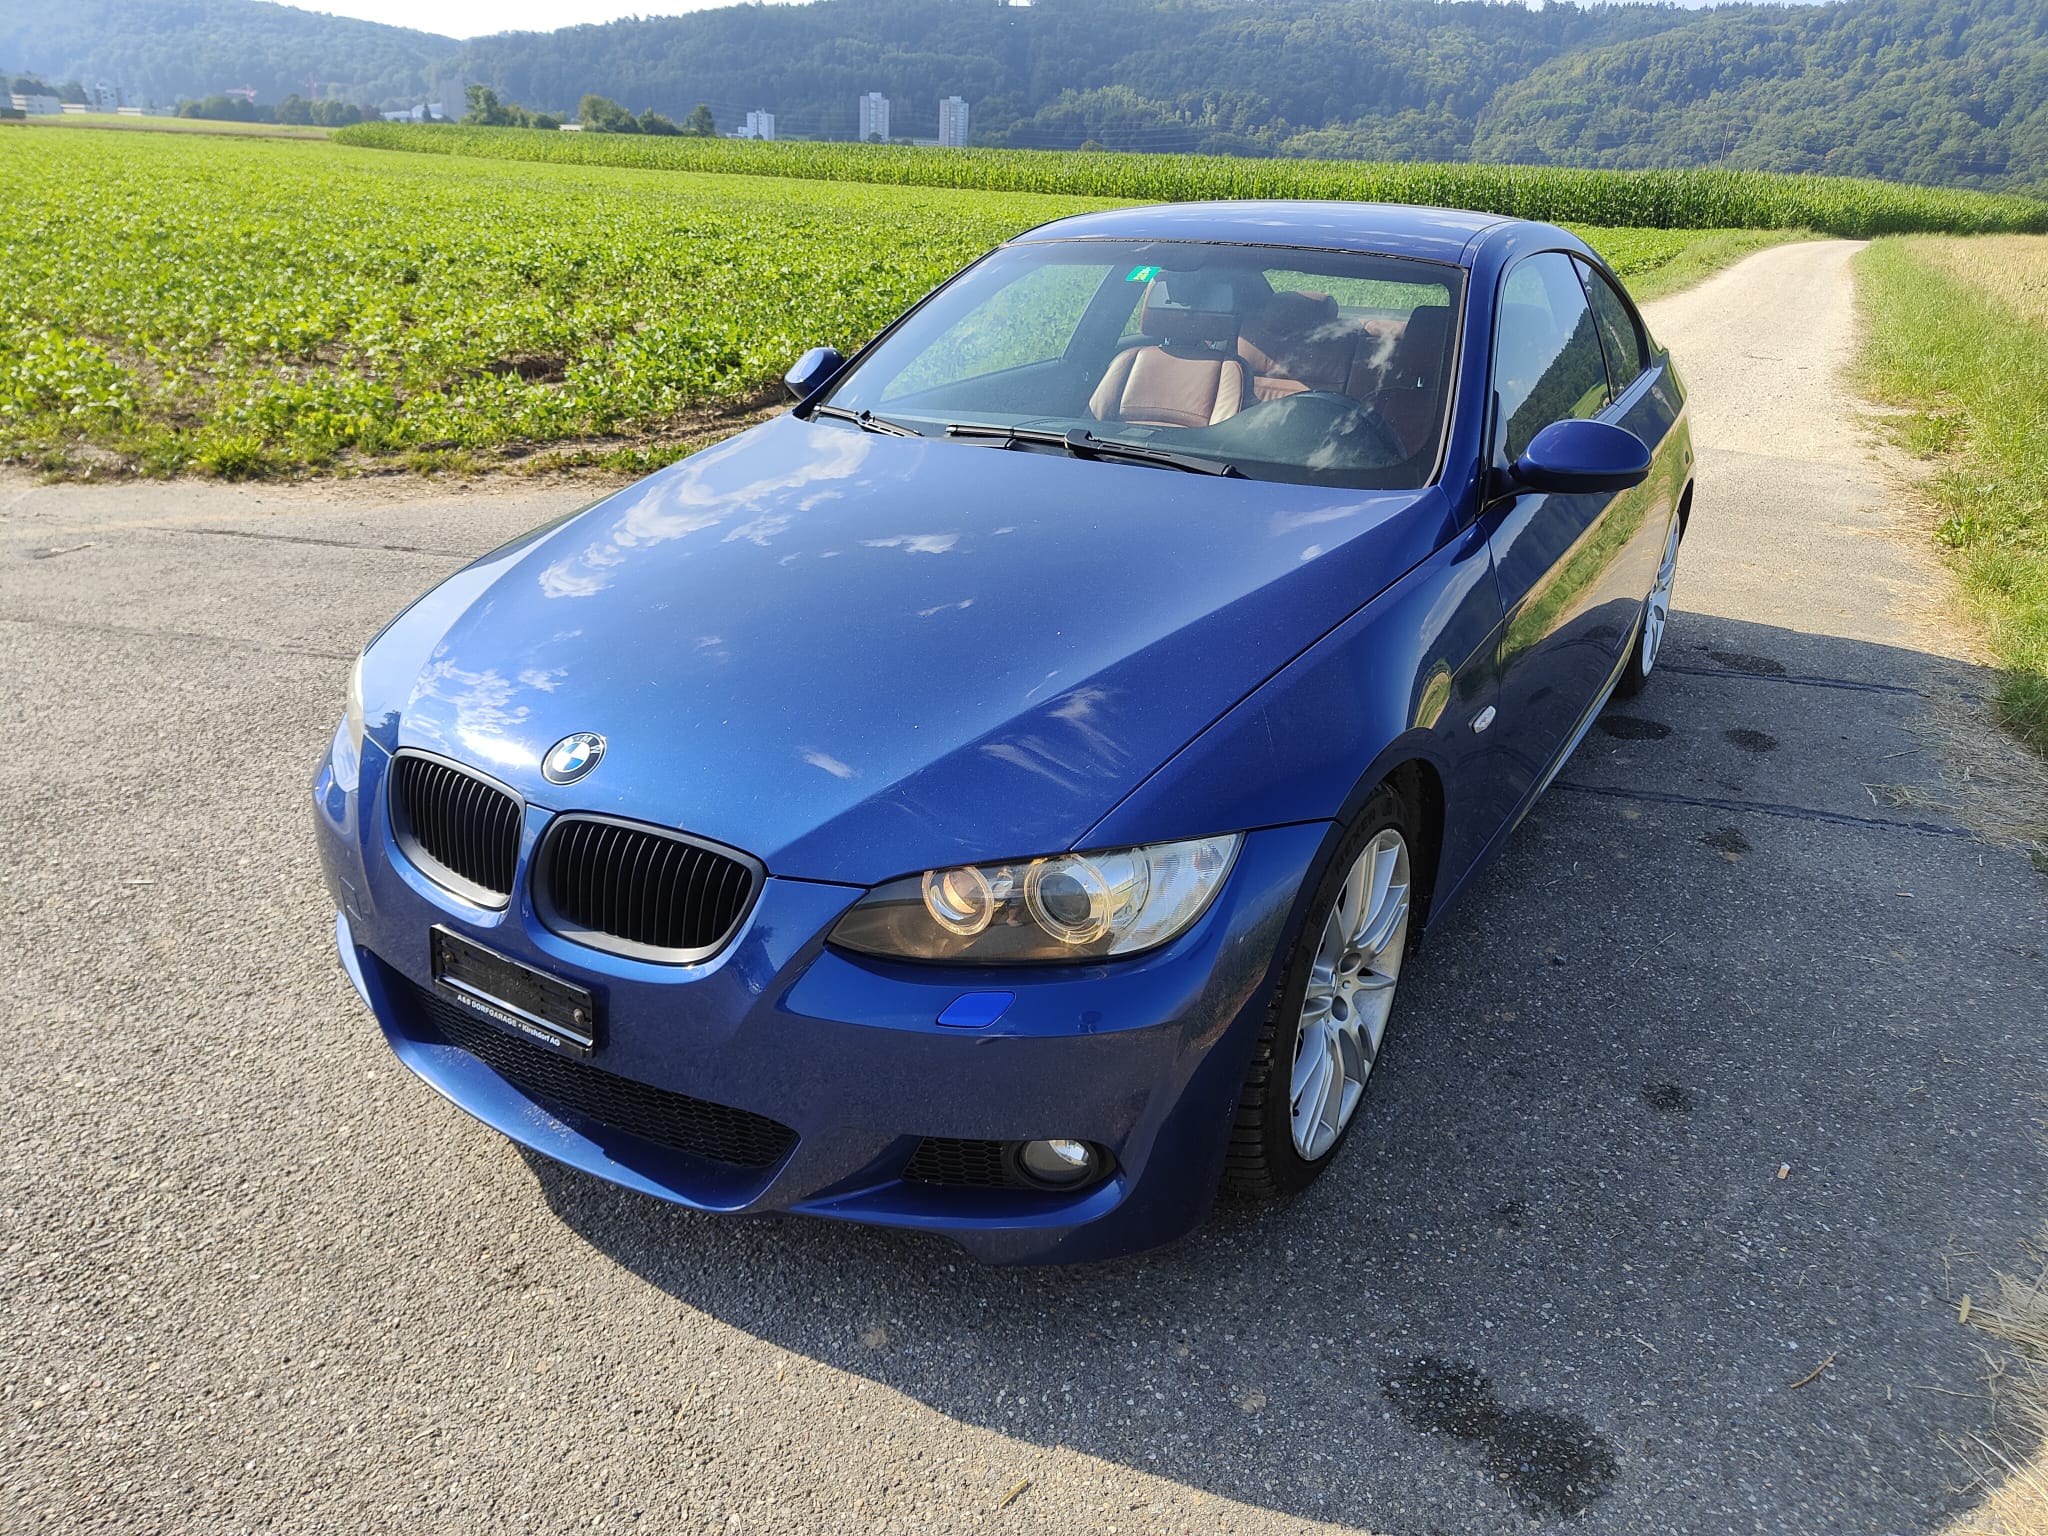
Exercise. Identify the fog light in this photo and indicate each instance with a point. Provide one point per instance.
(1058, 1164)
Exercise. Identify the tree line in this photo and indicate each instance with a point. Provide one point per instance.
(597, 114)
(1951, 92)
(1938, 91)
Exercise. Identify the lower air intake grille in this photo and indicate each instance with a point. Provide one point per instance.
(715, 1132)
(463, 831)
(962, 1164)
(641, 891)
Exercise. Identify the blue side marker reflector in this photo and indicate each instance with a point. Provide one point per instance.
(976, 1010)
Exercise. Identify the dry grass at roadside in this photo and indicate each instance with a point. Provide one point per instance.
(201, 125)
(1956, 335)
(2015, 1483)
(2011, 268)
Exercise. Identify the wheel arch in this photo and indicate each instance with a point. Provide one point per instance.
(1421, 788)
(1419, 781)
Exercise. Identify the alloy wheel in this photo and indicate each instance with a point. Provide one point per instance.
(1350, 994)
(1659, 611)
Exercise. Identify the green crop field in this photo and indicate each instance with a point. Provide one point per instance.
(1696, 199)
(237, 306)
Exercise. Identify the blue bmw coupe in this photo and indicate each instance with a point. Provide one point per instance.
(998, 795)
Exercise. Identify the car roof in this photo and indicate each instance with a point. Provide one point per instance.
(1391, 229)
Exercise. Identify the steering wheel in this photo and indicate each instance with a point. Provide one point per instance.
(1357, 426)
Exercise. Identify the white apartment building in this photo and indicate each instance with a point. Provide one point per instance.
(874, 117)
(953, 123)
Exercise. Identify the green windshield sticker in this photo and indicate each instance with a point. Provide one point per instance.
(1142, 274)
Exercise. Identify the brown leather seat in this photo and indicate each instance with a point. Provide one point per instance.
(1407, 389)
(1295, 341)
(1192, 379)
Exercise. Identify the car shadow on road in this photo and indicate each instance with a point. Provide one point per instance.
(1697, 1117)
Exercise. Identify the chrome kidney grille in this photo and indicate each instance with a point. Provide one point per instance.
(461, 829)
(641, 891)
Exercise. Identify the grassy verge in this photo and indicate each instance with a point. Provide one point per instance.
(242, 306)
(1958, 335)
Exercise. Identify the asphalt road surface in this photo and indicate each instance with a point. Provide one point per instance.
(254, 1276)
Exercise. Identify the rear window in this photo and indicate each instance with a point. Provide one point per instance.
(1619, 334)
(1288, 365)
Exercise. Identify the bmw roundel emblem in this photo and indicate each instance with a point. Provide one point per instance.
(572, 757)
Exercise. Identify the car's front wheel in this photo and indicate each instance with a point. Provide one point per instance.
(1329, 1016)
(1656, 616)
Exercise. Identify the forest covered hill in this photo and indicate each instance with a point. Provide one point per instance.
(1940, 91)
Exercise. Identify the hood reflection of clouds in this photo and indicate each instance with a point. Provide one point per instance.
(691, 502)
(486, 723)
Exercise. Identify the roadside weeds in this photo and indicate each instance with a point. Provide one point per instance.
(2015, 1481)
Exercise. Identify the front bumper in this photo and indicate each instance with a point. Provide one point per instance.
(1141, 1056)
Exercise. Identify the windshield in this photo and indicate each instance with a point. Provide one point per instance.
(1309, 366)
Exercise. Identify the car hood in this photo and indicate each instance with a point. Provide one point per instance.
(854, 655)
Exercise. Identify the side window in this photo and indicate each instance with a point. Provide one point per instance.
(1028, 321)
(1546, 363)
(1618, 332)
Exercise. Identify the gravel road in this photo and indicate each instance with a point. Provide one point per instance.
(253, 1276)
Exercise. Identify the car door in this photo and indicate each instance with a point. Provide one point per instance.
(1559, 559)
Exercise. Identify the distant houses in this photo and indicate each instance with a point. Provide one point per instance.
(101, 96)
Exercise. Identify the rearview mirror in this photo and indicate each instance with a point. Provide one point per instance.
(1582, 456)
(811, 370)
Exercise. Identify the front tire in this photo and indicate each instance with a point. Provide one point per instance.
(1656, 619)
(1328, 1021)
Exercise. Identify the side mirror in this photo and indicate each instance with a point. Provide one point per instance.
(811, 370)
(1582, 456)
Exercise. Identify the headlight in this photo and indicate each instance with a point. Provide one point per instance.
(1069, 906)
(355, 706)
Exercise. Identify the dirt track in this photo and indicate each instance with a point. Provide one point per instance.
(253, 1275)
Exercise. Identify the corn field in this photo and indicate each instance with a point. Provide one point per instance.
(1694, 199)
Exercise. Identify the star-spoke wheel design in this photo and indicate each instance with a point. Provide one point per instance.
(1658, 614)
(1350, 993)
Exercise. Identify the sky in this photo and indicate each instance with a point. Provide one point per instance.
(472, 18)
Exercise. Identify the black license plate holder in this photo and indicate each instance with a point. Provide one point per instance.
(514, 996)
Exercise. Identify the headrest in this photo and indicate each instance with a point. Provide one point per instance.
(1426, 331)
(1280, 336)
(1418, 354)
(1191, 308)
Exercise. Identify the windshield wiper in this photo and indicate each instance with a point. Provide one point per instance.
(867, 421)
(1083, 444)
